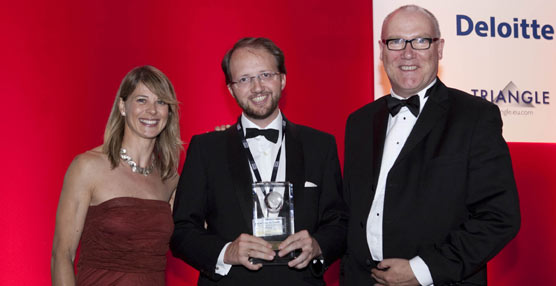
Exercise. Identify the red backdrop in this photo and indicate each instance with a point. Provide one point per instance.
(62, 62)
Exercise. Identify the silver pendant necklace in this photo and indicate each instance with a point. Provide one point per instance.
(134, 167)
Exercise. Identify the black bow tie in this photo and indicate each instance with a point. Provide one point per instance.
(394, 104)
(270, 134)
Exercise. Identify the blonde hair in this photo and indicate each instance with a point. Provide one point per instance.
(168, 143)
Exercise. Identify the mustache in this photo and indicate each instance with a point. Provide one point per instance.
(255, 94)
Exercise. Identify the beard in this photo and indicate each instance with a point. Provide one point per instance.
(262, 112)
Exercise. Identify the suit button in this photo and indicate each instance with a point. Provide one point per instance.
(368, 261)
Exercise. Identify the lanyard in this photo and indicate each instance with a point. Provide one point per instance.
(250, 156)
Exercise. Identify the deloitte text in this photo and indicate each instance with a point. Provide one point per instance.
(523, 28)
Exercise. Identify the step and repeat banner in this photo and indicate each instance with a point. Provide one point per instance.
(502, 51)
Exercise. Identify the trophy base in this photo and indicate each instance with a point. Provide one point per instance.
(275, 244)
(277, 261)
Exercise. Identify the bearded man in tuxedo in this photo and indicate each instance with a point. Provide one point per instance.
(214, 205)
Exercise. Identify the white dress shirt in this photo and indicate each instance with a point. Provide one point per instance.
(264, 153)
(399, 128)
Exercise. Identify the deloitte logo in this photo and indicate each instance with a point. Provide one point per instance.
(511, 95)
(518, 29)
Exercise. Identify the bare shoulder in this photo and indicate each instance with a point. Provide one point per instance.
(172, 183)
(88, 164)
(82, 178)
(94, 156)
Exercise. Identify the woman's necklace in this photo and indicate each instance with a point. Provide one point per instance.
(134, 167)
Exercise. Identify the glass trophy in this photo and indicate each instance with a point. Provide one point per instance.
(273, 217)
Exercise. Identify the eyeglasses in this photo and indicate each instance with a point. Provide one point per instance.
(246, 81)
(416, 44)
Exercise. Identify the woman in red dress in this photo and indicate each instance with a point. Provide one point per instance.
(116, 198)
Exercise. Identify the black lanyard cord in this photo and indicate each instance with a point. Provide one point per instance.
(252, 160)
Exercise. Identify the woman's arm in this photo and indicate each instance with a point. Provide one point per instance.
(70, 217)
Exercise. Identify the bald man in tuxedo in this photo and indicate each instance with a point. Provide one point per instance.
(428, 176)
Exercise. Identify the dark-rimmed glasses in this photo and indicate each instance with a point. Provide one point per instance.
(416, 44)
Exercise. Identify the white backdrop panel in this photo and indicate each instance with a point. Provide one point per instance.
(512, 65)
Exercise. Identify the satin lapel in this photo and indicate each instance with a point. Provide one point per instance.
(380, 124)
(372, 138)
(238, 166)
(295, 166)
(435, 109)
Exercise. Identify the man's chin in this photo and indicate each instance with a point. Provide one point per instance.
(258, 116)
(261, 113)
(407, 90)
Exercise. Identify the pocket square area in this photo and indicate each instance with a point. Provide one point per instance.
(310, 184)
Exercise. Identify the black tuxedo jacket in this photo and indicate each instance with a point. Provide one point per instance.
(450, 195)
(215, 187)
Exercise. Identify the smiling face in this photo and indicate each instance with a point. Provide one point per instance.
(259, 100)
(145, 114)
(409, 70)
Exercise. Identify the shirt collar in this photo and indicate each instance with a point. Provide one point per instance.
(275, 124)
(421, 95)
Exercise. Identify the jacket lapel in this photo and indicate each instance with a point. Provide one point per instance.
(380, 124)
(435, 109)
(295, 165)
(371, 149)
(238, 166)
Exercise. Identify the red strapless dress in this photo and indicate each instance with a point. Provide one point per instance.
(124, 242)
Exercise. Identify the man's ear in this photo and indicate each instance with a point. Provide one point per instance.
(381, 46)
(440, 48)
(230, 89)
(283, 81)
